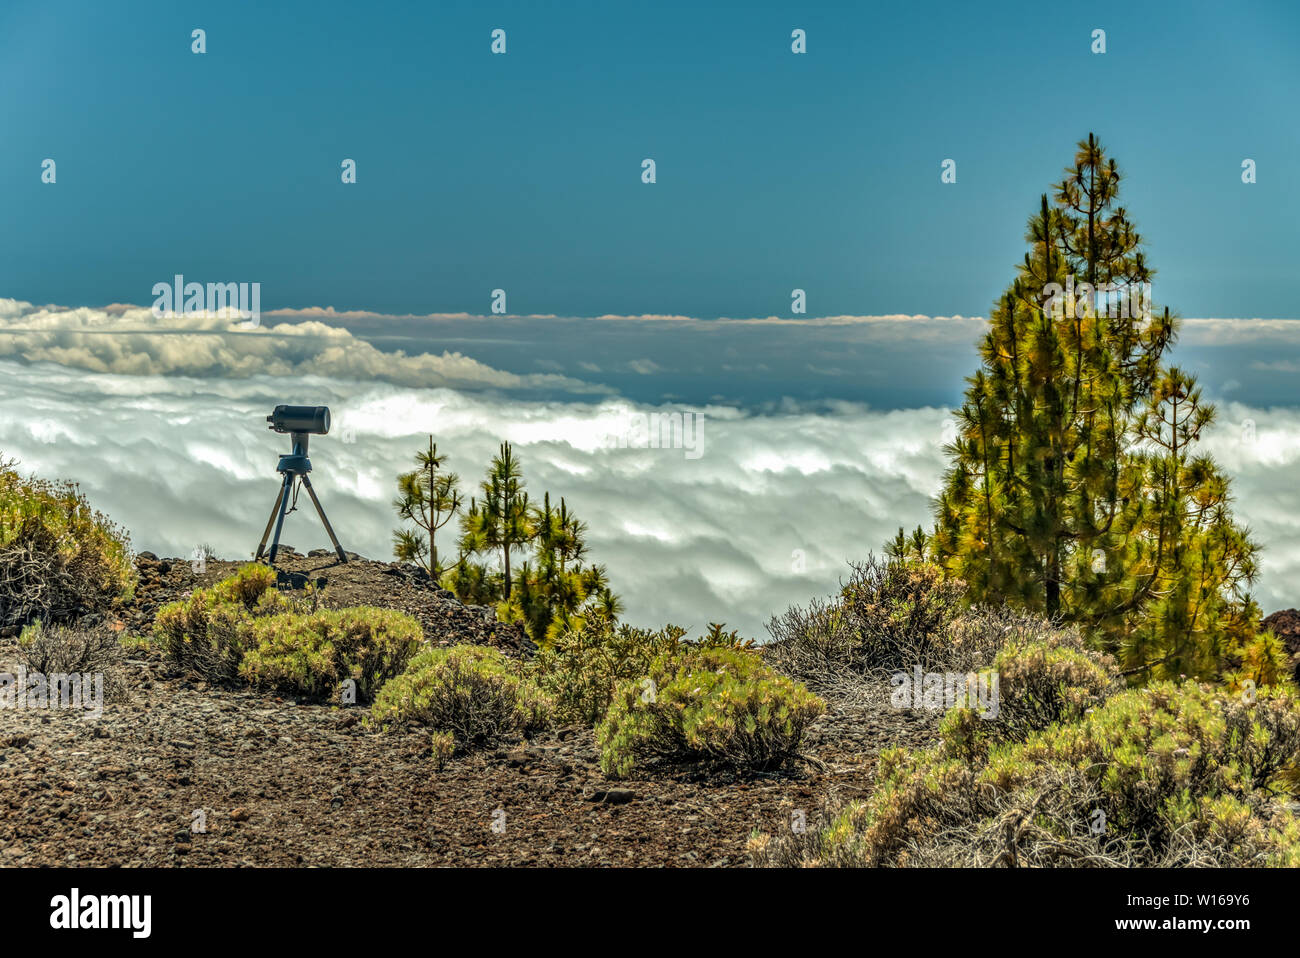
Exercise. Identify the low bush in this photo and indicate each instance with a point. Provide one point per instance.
(581, 668)
(442, 746)
(900, 613)
(247, 586)
(1171, 775)
(818, 645)
(1044, 676)
(312, 654)
(59, 558)
(207, 634)
(66, 650)
(714, 706)
(890, 615)
(474, 693)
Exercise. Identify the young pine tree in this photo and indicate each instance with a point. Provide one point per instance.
(1189, 563)
(552, 591)
(500, 521)
(430, 498)
(905, 548)
(1073, 488)
(555, 591)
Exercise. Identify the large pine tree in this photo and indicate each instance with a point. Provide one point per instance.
(1074, 488)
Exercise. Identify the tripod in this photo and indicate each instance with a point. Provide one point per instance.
(294, 466)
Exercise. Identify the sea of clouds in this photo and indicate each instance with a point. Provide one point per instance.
(162, 422)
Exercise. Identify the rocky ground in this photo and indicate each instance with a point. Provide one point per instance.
(358, 582)
(179, 773)
(1286, 626)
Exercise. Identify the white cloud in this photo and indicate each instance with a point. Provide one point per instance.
(182, 461)
(131, 341)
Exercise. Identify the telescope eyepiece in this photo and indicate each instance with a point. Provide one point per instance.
(314, 420)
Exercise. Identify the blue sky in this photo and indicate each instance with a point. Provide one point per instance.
(776, 171)
(522, 171)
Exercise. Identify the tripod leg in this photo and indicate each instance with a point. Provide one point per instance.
(275, 511)
(284, 507)
(333, 538)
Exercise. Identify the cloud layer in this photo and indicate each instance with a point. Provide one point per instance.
(768, 515)
(888, 362)
(130, 340)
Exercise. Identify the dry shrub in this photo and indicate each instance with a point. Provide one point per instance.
(890, 616)
(818, 646)
(900, 613)
(67, 650)
(442, 746)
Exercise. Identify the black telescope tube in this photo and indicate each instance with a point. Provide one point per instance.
(309, 419)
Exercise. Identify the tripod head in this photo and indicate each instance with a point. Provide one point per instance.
(300, 422)
(296, 462)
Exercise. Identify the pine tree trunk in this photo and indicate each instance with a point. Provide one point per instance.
(433, 549)
(1054, 583)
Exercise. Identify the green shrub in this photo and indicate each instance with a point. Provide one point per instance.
(202, 636)
(1043, 678)
(473, 692)
(242, 627)
(581, 668)
(1170, 775)
(1151, 748)
(716, 706)
(312, 654)
(208, 633)
(59, 558)
(247, 586)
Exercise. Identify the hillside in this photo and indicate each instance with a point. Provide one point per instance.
(287, 783)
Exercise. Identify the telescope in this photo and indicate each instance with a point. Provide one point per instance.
(300, 422)
(313, 420)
